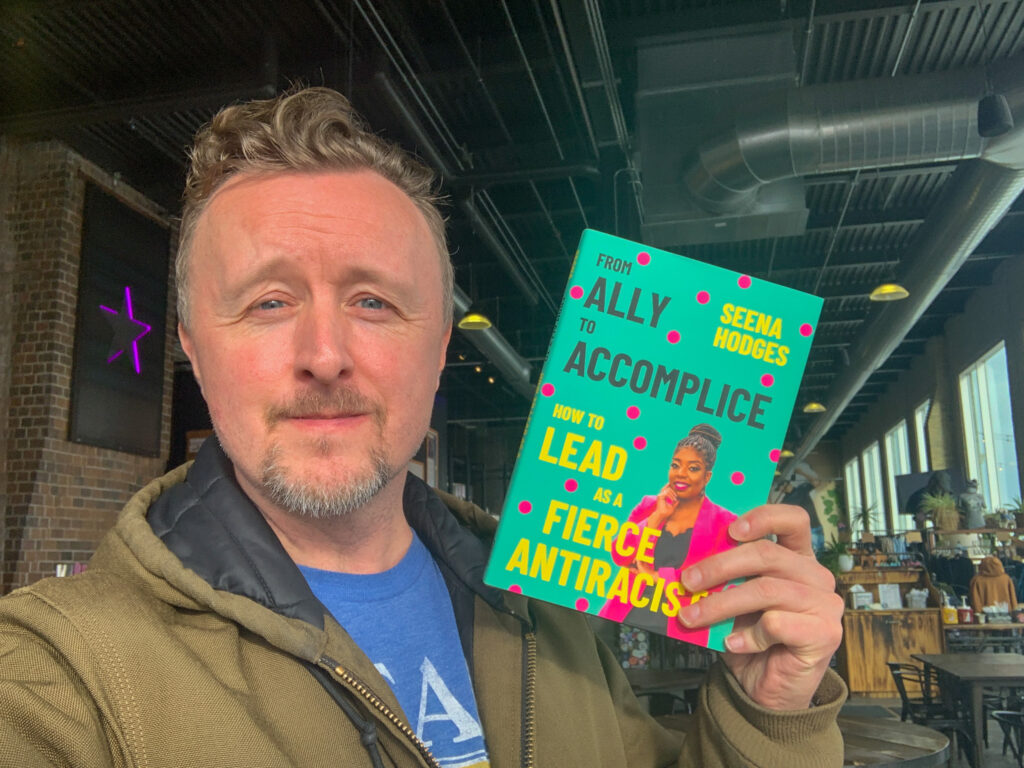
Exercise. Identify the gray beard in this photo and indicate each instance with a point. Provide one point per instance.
(317, 502)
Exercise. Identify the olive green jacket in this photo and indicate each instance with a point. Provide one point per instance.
(142, 661)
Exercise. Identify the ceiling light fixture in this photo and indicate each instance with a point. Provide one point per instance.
(474, 321)
(889, 292)
(786, 454)
(814, 407)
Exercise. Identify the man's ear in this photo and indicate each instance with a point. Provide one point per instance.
(190, 353)
(444, 353)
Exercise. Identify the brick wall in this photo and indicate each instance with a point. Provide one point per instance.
(59, 497)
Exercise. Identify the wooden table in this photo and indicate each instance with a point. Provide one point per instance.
(975, 637)
(874, 741)
(885, 743)
(644, 681)
(977, 670)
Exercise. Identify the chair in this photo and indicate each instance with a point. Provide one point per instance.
(930, 712)
(925, 686)
(1012, 724)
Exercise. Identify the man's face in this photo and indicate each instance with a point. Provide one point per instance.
(317, 334)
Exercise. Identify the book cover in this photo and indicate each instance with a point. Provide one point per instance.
(658, 418)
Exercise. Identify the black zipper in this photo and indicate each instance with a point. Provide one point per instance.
(529, 713)
(378, 704)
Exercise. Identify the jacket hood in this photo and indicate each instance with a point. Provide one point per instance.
(991, 566)
(197, 541)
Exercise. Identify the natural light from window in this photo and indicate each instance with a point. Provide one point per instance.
(988, 429)
(897, 462)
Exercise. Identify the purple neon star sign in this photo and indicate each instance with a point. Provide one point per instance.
(127, 330)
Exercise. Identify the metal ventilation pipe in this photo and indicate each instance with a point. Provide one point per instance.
(497, 349)
(974, 199)
(839, 127)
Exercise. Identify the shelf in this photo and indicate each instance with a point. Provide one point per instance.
(879, 576)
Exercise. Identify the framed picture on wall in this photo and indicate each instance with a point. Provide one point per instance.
(117, 379)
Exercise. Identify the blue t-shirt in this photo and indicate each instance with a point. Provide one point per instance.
(404, 622)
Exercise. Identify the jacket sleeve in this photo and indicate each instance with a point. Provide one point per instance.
(730, 729)
(47, 717)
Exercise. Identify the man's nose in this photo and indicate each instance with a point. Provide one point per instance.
(322, 344)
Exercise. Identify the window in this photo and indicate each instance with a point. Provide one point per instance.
(874, 503)
(988, 428)
(897, 462)
(851, 473)
(920, 424)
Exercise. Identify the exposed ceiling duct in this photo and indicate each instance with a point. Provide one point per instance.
(974, 199)
(839, 127)
(496, 348)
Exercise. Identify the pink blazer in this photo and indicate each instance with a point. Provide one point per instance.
(709, 536)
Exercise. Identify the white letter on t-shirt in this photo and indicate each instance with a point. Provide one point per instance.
(453, 710)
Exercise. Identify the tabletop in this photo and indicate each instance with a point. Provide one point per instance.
(989, 668)
(665, 680)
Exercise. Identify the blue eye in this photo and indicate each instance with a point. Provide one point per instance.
(270, 304)
(371, 302)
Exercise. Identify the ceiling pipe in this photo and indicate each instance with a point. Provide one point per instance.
(839, 127)
(516, 371)
(483, 229)
(973, 201)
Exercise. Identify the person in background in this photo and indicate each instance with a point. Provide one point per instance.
(992, 586)
(294, 597)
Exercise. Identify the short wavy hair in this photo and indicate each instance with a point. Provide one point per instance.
(308, 129)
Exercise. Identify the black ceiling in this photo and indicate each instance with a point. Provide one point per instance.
(530, 107)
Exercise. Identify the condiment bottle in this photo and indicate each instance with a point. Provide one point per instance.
(948, 612)
(965, 613)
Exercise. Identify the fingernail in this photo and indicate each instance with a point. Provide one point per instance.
(691, 579)
(735, 643)
(740, 529)
(690, 614)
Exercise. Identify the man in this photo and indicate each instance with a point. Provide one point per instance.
(293, 598)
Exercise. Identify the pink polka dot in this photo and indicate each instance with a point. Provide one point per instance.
(525, 507)
(673, 337)
(582, 604)
(548, 390)
(571, 485)
(640, 443)
(633, 412)
(806, 329)
(775, 455)
(643, 258)
(767, 380)
(737, 478)
(744, 281)
(703, 297)
(576, 292)
(516, 588)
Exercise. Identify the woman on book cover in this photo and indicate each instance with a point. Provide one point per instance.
(691, 527)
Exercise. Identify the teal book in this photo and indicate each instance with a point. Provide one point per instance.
(658, 419)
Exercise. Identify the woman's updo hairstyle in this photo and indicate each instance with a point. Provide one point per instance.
(704, 439)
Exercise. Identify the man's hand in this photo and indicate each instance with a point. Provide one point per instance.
(788, 615)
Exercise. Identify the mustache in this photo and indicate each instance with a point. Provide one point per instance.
(337, 402)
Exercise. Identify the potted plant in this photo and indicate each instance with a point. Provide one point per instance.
(941, 507)
(836, 556)
(863, 518)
